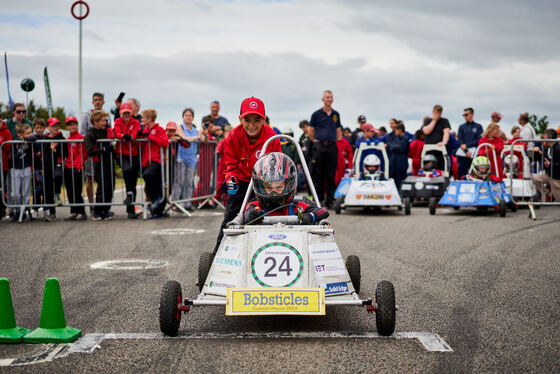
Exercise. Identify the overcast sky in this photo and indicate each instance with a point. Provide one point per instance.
(383, 59)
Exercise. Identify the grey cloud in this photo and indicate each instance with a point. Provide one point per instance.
(482, 33)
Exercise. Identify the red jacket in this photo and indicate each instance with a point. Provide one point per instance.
(75, 153)
(498, 144)
(240, 156)
(345, 155)
(131, 128)
(221, 177)
(5, 136)
(151, 150)
(415, 153)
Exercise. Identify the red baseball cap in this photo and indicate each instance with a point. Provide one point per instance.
(368, 127)
(125, 107)
(496, 114)
(70, 119)
(252, 105)
(53, 121)
(171, 126)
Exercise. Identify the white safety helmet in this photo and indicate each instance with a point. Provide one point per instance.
(511, 162)
(372, 163)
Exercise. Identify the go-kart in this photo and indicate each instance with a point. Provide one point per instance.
(519, 183)
(477, 193)
(279, 267)
(367, 192)
(415, 189)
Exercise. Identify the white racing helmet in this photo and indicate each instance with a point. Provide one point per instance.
(372, 163)
(511, 162)
(430, 162)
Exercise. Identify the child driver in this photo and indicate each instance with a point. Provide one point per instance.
(275, 183)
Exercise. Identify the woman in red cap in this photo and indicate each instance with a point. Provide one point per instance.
(242, 148)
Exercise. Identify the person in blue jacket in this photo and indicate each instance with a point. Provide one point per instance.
(469, 134)
(397, 147)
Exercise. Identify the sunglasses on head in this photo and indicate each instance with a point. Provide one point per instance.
(21, 111)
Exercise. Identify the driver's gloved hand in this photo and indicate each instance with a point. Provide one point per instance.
(253, 214)
(308, 219)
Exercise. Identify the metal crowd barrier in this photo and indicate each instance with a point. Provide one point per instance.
(535, 184)
(42, 172)
(186, 186)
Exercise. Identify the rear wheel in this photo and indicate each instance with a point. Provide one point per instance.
(170, 308)
(386, 311)
(337, 207)
(432, 205)
(502, 208)
(407, 205)
(204, 264)
(455, 208)
(513, 207)
(354, 270)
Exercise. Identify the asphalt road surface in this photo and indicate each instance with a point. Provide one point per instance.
(488, 286)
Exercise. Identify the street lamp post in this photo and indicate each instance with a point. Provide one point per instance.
(80, 17)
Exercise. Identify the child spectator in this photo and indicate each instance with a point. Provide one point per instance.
(152, 161)
(101, 154)
(52, 166)
(221, 194)
(207, 149)
(5, 136)
(75, 155)
(38, 179)
(515, 135)
(185, 166)
(54, 133)
(126, 130)
(20, 162)
(345, 156)
(415, 151)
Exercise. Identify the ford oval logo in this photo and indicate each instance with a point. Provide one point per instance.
(277, 236)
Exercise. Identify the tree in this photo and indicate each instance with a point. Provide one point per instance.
(34, 111)
(540, 125)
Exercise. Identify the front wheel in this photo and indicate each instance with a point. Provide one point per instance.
(204, 264)
(386, 311)
(170, 308)
(502, 208)
(407, 205)
(513, 207)
(354, 271)
(432, 205)
(337, 206)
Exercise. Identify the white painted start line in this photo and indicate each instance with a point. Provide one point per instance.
(178, 231)
(88, 343)
(129, 264)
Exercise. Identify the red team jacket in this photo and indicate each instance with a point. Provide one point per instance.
(151, 150)
(131, 128)
(76, 153)
(415, 153)
(345, 155)
(240, 156)
(5, 136)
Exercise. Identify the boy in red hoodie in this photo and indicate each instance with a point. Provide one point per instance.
(241, 150)
(74, 155)
(5, 135)
(152, 161)
(126, 130)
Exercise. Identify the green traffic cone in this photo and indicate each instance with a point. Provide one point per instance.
(52, 325)
(9, 332)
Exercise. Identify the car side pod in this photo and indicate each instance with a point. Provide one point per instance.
(52, 325)
(9, 332)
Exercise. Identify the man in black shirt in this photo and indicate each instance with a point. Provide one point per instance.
(323, 130)
(436, 131)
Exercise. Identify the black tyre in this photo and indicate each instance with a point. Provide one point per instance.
(386, 312)
(513, 207)
(407, 205)
(204, 264)
(432, 205)
(354, 270)
(170, 308)
(337, 207)
(455, 208)
(502, 208)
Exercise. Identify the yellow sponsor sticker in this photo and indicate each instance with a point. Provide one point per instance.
(274, 301)
(374, 197)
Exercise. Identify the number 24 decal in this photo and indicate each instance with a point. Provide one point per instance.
(284, 266)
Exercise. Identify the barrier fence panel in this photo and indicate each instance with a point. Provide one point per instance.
(37, 171)
(532, 171)
(193, 181)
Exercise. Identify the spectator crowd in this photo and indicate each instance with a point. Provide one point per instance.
(38, 175)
